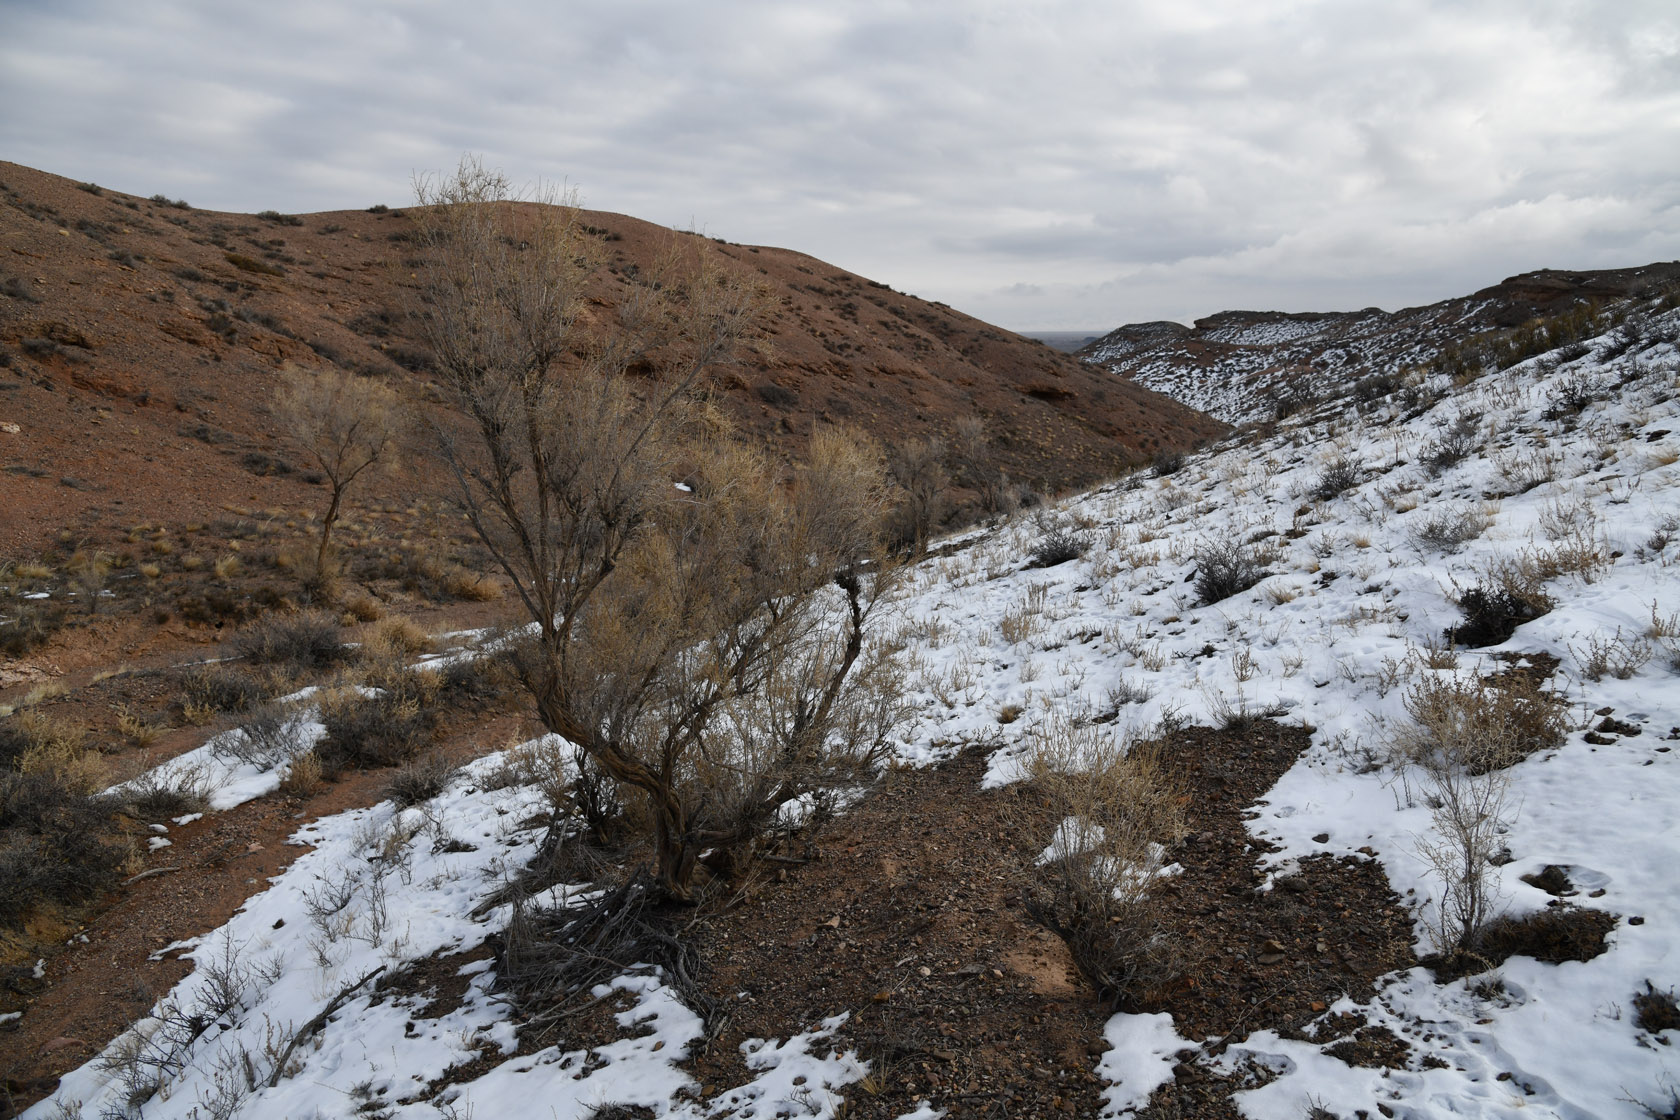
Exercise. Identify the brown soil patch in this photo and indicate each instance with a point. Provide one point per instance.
(913, 922)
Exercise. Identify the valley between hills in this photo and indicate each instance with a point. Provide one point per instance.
(1275, 719)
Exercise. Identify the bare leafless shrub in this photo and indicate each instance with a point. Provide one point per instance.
(1338, 475)
(1572, 393)
(917, 470)
(346, 425)
(1118, 810)
(1461, 737)
(1225, 568)
(271, 734)
(978, 469)
(170, 790)
(665, 619)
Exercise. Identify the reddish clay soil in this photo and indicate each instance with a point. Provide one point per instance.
(140, 346)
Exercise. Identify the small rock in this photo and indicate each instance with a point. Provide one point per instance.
(1636, 921)
(881, 996)
(924, 971)
(1322, 838)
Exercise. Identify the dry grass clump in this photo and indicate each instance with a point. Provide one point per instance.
(55, 837)
(1479, 725)
(396, 635)
(1553, 935)
(1619, 657)
(303, 776)
(1655, 1010)
(30, 624)
(1119, 810)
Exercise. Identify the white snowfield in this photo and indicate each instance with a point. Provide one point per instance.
(1359, 593)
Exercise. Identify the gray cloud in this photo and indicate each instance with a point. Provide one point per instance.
(1063, 164)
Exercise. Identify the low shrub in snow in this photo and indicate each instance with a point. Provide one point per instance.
(1224, 568)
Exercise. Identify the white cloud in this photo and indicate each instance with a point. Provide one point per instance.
(1060, 164)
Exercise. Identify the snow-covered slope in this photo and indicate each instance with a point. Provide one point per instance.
(1570, 471)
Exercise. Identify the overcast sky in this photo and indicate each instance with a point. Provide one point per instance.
(1043, 165)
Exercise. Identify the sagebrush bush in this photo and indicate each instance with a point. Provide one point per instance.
(1059, 541)
(1225, 568)
(1454, 444)
(56, 845)
(1166, 462)
(1448, 530)
(1337, 476)
(418, 780)
(1493, 611)
(384, 726)
(1479, 725)
(307, 641)
(221, 688)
